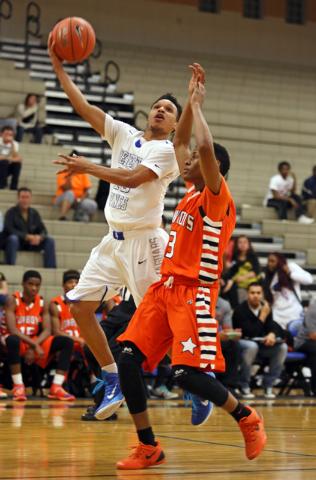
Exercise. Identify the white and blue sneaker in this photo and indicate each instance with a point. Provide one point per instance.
(201, 409)
(113, 396)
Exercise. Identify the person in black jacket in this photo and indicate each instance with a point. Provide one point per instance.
(24, 230)
(254, 317)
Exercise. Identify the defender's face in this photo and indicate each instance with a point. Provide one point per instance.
(192, 172)
(163, 117)
(31, 287)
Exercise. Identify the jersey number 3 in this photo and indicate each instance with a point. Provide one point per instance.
(171, 244)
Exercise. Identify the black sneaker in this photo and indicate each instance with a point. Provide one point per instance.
(90, 417)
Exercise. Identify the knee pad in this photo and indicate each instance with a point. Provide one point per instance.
(181, 373)
(13, 341)
(130, 353)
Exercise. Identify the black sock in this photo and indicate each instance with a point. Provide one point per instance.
(146, 436)
(240, 412)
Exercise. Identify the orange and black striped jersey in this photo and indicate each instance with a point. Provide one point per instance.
(202, 226)
(67, 322)
(28, 317)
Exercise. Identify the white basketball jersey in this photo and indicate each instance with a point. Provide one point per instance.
(141, 207)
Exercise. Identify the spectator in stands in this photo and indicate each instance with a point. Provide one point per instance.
(305, 342)
(309, 195)
(24, 230)
(62, 322)
(245, 270)
(255, 320)
(281, 195)
(26, 332)
(282, 288)
(27, 116)
(230, 346)
(74, 192)
(10, 161)
(3, 289)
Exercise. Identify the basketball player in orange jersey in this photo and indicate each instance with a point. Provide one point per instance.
(63, 323)
(179, 310)
(26, 332)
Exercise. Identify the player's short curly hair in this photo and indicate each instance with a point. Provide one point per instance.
(171, 98)
(222, 156)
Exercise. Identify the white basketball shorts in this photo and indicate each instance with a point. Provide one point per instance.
(133, 262)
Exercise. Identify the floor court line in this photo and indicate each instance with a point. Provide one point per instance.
(234, 446)
(148, 473)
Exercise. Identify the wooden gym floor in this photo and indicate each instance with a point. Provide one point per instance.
(47, 440)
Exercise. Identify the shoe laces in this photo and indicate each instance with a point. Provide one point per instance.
(249, 428)
(139, 450)
(187, 396)
(101, 383)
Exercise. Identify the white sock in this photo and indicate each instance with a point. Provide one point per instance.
(17, 379)
(59, 379)
(110, 368)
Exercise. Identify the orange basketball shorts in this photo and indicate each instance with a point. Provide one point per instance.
(181, 317)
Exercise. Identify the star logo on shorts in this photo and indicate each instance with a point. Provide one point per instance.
(188, 346)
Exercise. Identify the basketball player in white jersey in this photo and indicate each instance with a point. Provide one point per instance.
(143, 164)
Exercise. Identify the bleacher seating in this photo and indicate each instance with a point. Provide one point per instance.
(262, 113)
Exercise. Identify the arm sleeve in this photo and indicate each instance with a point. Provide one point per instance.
(307, 190)
(112, 128)
(270, 326)
(273, 185)
(299, 275)
(216, 206)
(162, 160)
(16, 145)
(10, 226)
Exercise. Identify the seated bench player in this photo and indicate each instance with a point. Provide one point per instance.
(26, 333)
(63, 323)
(179, 310)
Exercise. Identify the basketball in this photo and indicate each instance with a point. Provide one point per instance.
(74, 39)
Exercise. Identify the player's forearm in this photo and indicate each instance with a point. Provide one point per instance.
(202, 134)
(24, 338)
(42, 337)
(72, 91)
(118, 176)
(184, 127)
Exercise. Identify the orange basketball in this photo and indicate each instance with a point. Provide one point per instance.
(74, 39)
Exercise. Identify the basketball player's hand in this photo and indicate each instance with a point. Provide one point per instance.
(29, 357)
(56, 61)
(198, 95)
(74, 165)
(81, 341)
(198, 75)
(269, 339)
(40, 352)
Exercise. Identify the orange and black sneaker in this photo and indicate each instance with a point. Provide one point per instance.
(56, 392)
(253, 431)
(19, 393)
(144, 456)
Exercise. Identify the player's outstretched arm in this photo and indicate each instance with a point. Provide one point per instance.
(94, 115)
(204, 142)
(182, 138)
(122, 177)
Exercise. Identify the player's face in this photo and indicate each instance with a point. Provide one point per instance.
(255, 296)
(70, 285)
(192, 172)
(272, 263)
(31, 287)
(163, 117)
